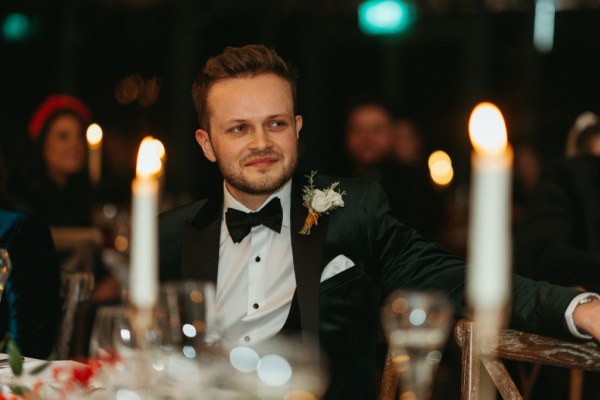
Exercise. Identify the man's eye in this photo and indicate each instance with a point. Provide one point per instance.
(239, 128)
(278, 124)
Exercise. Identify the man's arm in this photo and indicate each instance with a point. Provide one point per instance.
(587, 318)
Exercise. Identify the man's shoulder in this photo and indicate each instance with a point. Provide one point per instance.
(181, 214)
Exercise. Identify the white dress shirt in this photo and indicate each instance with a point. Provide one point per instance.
(256, 280)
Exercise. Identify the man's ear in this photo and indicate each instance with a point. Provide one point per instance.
(298, 125)
(203, 139)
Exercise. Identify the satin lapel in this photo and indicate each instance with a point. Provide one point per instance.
(200, 244)
(307, 252)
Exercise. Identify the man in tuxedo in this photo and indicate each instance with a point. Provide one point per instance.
(331, 283)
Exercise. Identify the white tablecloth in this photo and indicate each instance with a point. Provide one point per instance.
(47, 376)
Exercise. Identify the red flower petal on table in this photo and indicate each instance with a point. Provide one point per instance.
(82, 375)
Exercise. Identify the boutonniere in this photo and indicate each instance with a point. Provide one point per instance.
(319, 202)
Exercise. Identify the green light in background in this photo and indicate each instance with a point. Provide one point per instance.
(385, 17)
(16, 27)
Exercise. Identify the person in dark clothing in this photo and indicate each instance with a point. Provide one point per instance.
(54, 185)
(30, 306)
(558, 240)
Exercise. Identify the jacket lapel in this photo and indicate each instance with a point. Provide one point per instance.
(307, 252)
(200, 243)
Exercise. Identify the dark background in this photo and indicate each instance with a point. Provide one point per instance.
(458, 54)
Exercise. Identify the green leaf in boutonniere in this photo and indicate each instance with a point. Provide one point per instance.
(319, 202)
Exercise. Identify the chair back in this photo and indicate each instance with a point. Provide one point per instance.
(76, 288)
(518, 346)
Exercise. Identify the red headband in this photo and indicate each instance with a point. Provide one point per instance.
(51, 105)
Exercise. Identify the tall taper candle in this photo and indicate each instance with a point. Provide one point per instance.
(489, 245)
(94, 140)
(143, 279)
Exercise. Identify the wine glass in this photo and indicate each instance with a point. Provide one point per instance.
(187, 322)
(5, 268)
(417, 325)
(113, 344)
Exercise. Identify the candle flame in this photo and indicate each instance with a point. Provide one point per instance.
(94, 134)
(161, 150)
(148, 161)
(487, 129)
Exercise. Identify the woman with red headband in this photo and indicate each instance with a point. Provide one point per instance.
(55, 185)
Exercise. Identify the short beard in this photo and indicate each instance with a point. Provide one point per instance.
(263, 186)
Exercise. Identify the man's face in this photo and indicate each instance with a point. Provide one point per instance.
(368, 135)
(253, 133)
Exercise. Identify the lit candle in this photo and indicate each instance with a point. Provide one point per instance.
(94, 140)
(162, 154)
(143, 278)
(489, 246)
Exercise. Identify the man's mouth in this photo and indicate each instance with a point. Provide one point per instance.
(262, 162)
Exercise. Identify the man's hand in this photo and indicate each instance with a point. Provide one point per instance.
(587, 318)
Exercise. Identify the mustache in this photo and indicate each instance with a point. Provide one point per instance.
(262, 153)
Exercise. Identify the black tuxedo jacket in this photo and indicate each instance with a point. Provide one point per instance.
(344, 310)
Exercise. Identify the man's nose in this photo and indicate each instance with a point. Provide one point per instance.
(260, 139)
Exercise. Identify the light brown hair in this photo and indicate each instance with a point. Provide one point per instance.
(238, 62)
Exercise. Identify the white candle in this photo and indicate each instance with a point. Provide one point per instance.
(94, 140)
(162, 154)
(143, 278)
(489, 245)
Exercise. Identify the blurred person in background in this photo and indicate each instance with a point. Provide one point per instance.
(558, 240)
(391, 153)
(30, 305)
(54, 186)
(580, 140)
(368, 139)
(527, 169)
(413, 198)
(588, 141)
(407, 143)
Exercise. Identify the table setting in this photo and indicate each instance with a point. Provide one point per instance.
(165, 341)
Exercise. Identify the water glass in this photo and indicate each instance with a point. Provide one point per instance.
(417, 325)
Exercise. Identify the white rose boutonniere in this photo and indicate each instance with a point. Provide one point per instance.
(319, 202)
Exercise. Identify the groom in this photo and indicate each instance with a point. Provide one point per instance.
(329, 283)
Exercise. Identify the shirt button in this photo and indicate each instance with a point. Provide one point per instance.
(255, 306)
(257, 259)
(247, 339)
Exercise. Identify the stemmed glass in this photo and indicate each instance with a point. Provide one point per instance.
(114, 345)
(417, 325)
(187, 322)
(5, 268)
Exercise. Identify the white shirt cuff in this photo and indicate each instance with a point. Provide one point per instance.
(581, 298)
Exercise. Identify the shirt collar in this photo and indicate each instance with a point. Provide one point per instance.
(284, 194)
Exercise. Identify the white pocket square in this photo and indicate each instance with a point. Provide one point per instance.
(335, 266)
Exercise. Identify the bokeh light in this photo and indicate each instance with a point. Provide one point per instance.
(440, 168)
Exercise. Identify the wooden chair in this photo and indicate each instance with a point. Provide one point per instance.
(76, 288)
(389, 380)
(80, 244)
(523, 347)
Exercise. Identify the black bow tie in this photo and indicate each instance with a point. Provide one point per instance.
(240, 223)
